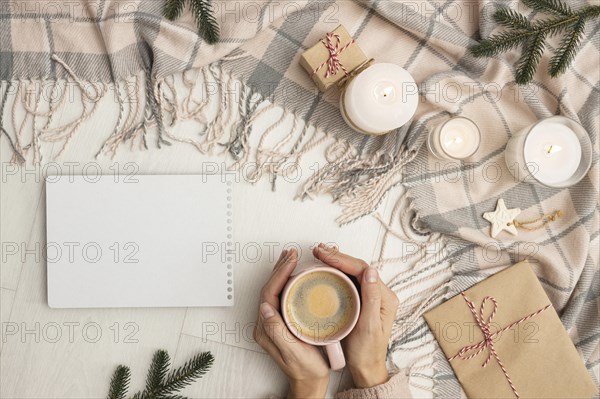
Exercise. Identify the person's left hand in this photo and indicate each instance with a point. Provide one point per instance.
(307, 370)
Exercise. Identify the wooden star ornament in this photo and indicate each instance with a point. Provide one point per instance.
(502, 219)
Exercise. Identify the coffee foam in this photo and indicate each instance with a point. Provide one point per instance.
(320, 305)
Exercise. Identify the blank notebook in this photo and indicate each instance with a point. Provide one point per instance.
(138, 241)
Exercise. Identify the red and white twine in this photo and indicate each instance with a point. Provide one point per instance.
(332, 41)
(470, 351)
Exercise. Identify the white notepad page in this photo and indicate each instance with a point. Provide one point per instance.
(138, 241)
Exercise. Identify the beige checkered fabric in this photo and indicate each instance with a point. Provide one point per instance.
(127, 47)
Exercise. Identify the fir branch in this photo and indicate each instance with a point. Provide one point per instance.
(527, 64)
(205, 20)
(173, 9)
(553, 26)
(186, 374)
(566, 52)
(499, 43)
(119, 383)
(531, 36)
(511, 19)
(555, 7)
(208, 27)
(157, 371)
(159, 384)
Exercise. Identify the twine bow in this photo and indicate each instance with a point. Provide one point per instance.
(470, 351)
(332, 41)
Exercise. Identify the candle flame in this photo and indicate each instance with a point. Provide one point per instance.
(455, 140)
(553, 149)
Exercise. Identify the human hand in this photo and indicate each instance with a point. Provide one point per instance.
(366, 346)
(307, 370)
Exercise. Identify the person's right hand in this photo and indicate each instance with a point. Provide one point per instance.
(366, 346)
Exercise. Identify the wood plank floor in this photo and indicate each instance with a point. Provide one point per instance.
(71, 353)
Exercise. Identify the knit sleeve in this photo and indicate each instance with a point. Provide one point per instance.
(395, 388)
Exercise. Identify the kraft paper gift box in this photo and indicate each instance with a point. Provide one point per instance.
(531, 357)
(317, 59)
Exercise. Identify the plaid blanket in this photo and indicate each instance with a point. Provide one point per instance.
(127, 52)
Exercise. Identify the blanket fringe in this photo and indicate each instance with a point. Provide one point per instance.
(29, 94)
(228, 113)
(421, 286)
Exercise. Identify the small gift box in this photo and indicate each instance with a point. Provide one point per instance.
(332, 58)
(504, 339)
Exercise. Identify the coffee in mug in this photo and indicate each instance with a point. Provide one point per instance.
(320, 306)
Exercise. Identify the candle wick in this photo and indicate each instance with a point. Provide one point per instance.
(549, 150)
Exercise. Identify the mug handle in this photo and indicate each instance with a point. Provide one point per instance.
(335, 355)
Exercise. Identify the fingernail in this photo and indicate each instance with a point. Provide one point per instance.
(321, 245)
(292, 252)
(266, 310)
(281, 260)
(371, 275)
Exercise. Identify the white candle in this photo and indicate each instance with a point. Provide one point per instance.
(381, 98)
(552, 153)
(555, 152)
(457, 138)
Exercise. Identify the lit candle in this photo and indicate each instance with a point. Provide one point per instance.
(555, 152)
(381, 98)
(457, 138)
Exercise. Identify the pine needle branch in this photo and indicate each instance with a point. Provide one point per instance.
(157, 371)
(119, 383)
(173, 9)
(566, 52)
(186, 374)
(160, 384)
(527, 64)
(556, 7)
(532, 35)
(208, 27)
(206, 21)
(511, 19)
(499, 43)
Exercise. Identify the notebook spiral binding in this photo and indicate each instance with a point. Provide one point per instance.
(229, 244)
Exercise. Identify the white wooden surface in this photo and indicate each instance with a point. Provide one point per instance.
(70, 353)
